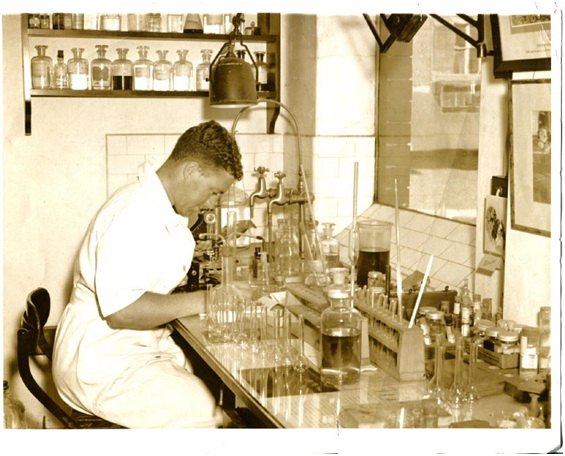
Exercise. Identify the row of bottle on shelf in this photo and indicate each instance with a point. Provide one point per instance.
(123, 74)
(149, 22)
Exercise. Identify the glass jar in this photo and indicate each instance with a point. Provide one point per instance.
(203, 71)
(491, 336)
(182, 72)
(41, 69)
(122, 71)
(58, 21)
(143, 70)
(162, 72)
(479, 331)
(263, 71)
(137, 22)
(529, 352)
(60, 78)
(340, 340)
(78, 70)
(436, 323)
(77, 21)
(214, 23)
(154, 22)
(110, 22)
(44, 21)
(101, 70)
(507, 343)
(33, 21)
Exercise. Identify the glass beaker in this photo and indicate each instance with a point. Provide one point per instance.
(374, 248)
(203, 71)
(78, 70)
(122, 71)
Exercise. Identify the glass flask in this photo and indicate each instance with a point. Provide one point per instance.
(182, 72)
(203, 71)
(77, 69)
(143, 70)
(14, 411)
(193, 24)
(456, 394)
(340, 340)
(330, 245)
(263, 80)
(60, 80)
(162, 72)
(41, 69)
(122, 71)
(101, 69)
(472, 392)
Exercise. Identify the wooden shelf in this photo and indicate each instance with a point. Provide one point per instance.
(68, 93)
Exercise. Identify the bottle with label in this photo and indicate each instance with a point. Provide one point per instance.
(60, 80)
(182, 72)
(340, 340)
(41, 69)
(143, 70)
(466, 310)
(289, 255)
(477, 308)
(14, 411)
(529, 352)
(122, 71)
(101, 70)
(78, 70)
(203, 71)
(330, 246)
(162, 72)
(263, 71)
(457, 313)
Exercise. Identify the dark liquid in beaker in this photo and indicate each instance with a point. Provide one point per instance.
(121, 82)
(371, 261)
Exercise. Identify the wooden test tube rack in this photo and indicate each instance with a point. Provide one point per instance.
(393, 346)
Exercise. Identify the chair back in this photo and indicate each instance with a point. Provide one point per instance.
(29, 336)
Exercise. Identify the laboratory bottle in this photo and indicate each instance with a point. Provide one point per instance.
(457, 313)
(162, 72)
(60, 80)
(182, 72)
(110, 22)
(33, 21)
(289, 254)
(193, 24)
(143, 70)
(214, 23)
(466, 309)
(41, 69)
(101, 68)
(203, 71)
(340, 329)
(77, 70)
(330, 246)
(14, 411)
(529, 352)
(122, 71)
(262, 72)
(240, 53)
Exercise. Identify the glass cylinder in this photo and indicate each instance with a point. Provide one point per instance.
(162, 72)
(374, 248)
(456, 393)
(60, 79)
(110, 22)
(122, 71)
(435, 387)
(472, 392)
(340, 340)
(143, 70)
(529, 352)
(41, 69)
(203, 71)
(182, 72)
(154, 22)
(78, 70)
(101, 70)
(263, 81)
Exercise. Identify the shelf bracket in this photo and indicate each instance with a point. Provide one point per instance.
(401, 27)
(478, 24)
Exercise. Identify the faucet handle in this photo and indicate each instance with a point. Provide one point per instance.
(280, 175)
(261, 170)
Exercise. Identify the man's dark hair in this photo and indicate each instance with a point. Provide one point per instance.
(211, 146)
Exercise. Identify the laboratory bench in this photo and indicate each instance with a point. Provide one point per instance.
(274, 397)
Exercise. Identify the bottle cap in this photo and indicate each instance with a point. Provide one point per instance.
(338, 293)
(60, 54)
(434, 315)
(493, 331)
(508, 336)
(484, 324)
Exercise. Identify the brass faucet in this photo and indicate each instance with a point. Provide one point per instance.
(261, 191)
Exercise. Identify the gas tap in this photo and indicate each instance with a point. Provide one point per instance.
(261, 191)
(280, 197)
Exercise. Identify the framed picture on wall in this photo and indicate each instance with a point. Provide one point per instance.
(522, 42)
(530, 160)
(495, 225)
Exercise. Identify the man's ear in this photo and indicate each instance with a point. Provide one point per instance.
(191, 169)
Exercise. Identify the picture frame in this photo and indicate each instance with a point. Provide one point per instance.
(521, 43)
(530, 158)
(495, 225)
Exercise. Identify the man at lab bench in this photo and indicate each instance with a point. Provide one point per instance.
(113, 354)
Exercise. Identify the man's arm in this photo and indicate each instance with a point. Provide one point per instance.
(153, 309)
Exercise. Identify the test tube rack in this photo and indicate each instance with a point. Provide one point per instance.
(393, 346)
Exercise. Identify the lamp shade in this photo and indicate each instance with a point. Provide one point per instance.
(232, 83)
